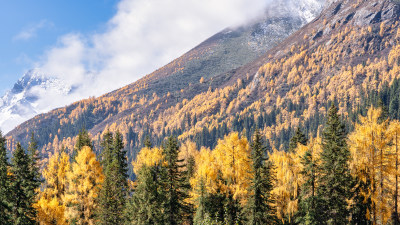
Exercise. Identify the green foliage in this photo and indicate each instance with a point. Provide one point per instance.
(309, 206)
(5, 208)
(111, 199)
(176, 210)
(82, 140)
(298, 138)
(335, 181)
(144, 207)
(260, 204)
(23, 196)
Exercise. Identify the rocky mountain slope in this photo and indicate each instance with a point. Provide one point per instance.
(208, 65)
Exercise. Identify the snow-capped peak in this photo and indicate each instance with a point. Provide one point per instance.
(22, 101)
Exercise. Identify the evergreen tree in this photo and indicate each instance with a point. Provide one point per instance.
(82, 140)
(23, 211)
(176, 187)
(145, 205)
(114, 189)
(260, 203)
(298, 138)
(309, 201)
(335, 178)
(5, 209)
(35, 176)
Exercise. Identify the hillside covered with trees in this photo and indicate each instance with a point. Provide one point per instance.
(305, 134)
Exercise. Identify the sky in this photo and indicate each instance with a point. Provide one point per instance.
(29, 28)
(97, 46)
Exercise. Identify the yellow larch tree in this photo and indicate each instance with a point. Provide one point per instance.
(288, 171)
(232, 155)
(50, 205)
(83, 183)
(370, 147)
(148, 157)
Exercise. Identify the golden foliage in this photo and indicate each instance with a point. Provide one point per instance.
(84, 182)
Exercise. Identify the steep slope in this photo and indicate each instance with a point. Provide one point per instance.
(184, 78)
(349, 50)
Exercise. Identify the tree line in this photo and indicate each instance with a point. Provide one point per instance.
(334, 178)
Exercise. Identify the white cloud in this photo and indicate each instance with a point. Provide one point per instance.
(142, 36)
(31, 31)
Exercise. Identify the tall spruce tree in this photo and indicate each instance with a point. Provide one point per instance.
(335, 181)
(34, 168)
(309, 204)
(23, 212)
(298, 138)
(145, 205)
(260, 204)
(114, 189)
(5, 209)
(176, 209)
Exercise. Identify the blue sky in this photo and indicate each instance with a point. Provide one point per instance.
(29, 28)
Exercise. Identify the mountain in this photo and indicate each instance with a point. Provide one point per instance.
(207, 65)
(349, 54)
(23, 100)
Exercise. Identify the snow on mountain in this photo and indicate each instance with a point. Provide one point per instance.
(23, 100)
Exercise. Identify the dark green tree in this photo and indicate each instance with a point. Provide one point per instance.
(5, 209)
(145, 205)
(309, 205)
(23, 212)
(260, 205)
(82, 140)
(113, 192)
(335, 181)
(298, 138)
(360, 205)
(34, 168)
(176, 210)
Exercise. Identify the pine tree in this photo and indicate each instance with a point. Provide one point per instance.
(335, 178)
(260, 204)
(35, 176)
(298, 138)
(83, 139)
(145, 205)
(114, 189)
(309, 202)
(176, 187)
(23, 211)
(5, 209)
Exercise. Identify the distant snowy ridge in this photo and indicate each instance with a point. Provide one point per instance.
(22, 101)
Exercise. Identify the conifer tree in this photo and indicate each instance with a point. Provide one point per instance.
(298, 138)
(335, 178)
(260, 204)
(35, 176)
(83, 139)
(23, 211)
(176, 187)
(114, 189)
(5, 209)
(309, 202)
(144, 207)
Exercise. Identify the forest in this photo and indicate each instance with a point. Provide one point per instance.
(336, 176)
